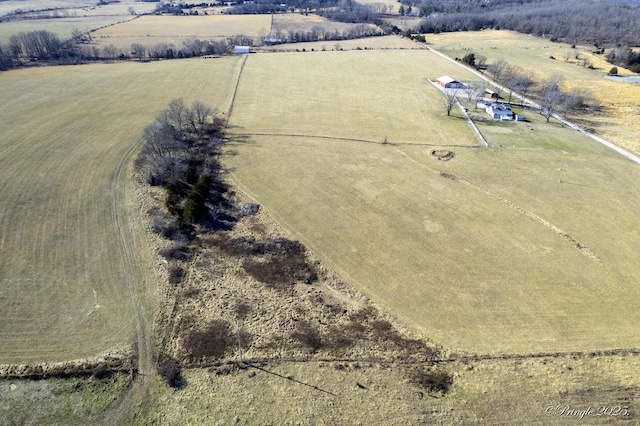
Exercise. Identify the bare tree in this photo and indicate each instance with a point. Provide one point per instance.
(138, 50)
(449, 99)
(579, 98)
(497, 69)
(110, 51)
(551, 96)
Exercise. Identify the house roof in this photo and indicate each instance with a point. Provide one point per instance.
(500, 108)
(446, 79)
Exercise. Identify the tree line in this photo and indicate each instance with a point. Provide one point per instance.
(348, 11)
(43, 45)
(602, 23)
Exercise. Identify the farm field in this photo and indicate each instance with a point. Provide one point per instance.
(62, 27)
(71, 245)
(533, 247)
(30, 5)
(375, 43)
(175, 29)
(616, 123)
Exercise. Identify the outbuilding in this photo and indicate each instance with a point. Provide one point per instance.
(241, 50)
(449, 83)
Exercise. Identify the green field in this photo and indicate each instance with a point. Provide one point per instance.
(71, 236)
(479, 264)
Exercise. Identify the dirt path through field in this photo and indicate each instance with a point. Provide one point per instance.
(135, 260)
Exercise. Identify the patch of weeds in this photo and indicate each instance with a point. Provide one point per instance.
(307, 336)
(171, 373)
(242, 309)
(212, 342)
(176, 274)
(190, 292)
(431, 380)
(178, 251)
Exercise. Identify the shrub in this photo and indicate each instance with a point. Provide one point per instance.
(170, 372)
(176, 274)
(166, 226)
(613, 71)
(177, 251)
(212, 342)
(100, 372)
(307, 336)
(432, 381)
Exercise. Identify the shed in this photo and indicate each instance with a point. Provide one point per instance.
(241, 50)
(491, 94)
(449, 83)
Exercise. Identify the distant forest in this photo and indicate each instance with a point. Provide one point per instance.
(603, 23)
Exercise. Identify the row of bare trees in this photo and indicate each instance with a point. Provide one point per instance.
(518, 85)
(549, 93)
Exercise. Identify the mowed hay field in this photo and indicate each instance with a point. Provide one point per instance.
(72, 247)
(617, 122)
(62, 27)
(501, 250)
(364, 95)
(367, 43)
(148, 30)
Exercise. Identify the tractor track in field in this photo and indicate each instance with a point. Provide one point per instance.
(578, 245)
(123, 410)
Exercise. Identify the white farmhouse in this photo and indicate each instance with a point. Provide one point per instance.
(500, 111)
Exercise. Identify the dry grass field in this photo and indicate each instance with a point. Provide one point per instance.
(527, 248)
(151, 30)
(499, 239)
(496, 392)
(336, 101)
(70, 241)
(69, 15)
(62, 27)
(288, 23)
(368, 43)
(617, 122)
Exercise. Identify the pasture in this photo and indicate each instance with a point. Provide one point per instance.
(67, 16)
(73, 249)
(148, 30)
(62, 27)
(616, 123)
(375, 43)
(502, 250)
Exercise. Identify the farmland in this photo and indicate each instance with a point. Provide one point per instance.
(438, 253)
(67, 16)
(616, 122)
(517, 263)
(64, 278)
